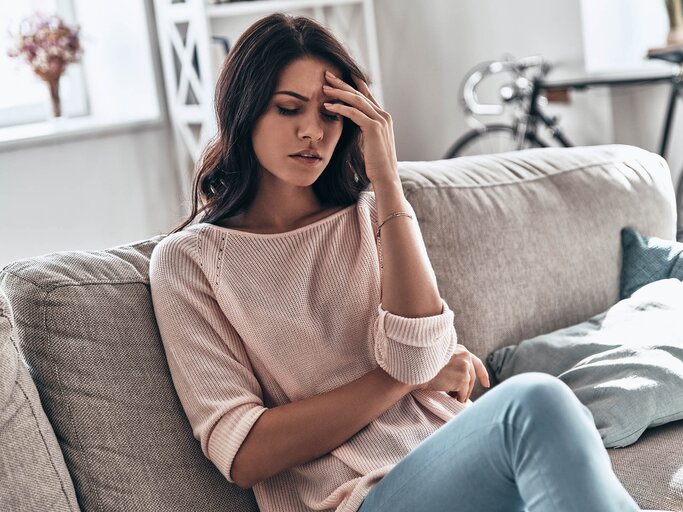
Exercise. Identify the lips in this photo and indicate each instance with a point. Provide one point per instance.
(308, 153)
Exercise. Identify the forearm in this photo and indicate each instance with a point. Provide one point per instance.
(298, 432)
(409, 287)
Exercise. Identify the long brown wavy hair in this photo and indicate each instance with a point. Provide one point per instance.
(226, 176)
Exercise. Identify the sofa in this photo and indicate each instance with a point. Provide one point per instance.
(522, 243)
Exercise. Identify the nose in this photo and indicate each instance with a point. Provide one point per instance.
(311, 127)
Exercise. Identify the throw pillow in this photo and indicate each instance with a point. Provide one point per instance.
(88, 333)
(625, 365)
(646, 259)
(33, 475)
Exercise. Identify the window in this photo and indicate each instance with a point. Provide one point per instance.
(24, 98)
(113, 88)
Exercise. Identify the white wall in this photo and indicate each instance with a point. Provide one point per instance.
(86, 194)
(101, 191)
(617, 35)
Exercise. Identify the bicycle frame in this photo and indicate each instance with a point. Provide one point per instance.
(535, 113)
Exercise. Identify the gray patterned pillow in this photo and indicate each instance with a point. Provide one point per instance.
(646, 259)
(625, 365)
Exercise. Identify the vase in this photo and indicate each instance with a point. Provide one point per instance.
(53, 86)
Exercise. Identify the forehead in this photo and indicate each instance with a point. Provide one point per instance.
(305, 74)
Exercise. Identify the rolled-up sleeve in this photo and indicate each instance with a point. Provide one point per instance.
(211, 372)
(414, 350)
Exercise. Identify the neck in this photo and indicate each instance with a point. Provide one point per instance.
(281, 208)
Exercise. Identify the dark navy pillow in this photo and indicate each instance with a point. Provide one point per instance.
(647, 259)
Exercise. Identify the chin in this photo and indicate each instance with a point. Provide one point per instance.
(302, 177)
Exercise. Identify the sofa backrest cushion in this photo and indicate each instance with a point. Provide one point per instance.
(87, 330)
(525, 243)
(30, 457)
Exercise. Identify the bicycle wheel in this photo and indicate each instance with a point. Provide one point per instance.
(493, 138)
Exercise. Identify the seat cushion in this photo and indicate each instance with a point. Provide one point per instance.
(33, 475)
(87, 330)
(651, 470)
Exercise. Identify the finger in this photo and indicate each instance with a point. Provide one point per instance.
(363, 87)
(358, 117)
(482, 373)
(354, 98)
(338, 82)
(359, 91)
(462, 392)
(473, 379)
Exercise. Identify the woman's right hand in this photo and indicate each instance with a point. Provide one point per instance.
(457, 378)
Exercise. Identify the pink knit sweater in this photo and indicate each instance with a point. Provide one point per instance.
(252, 321)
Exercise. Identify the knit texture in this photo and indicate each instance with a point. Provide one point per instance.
(253, 321)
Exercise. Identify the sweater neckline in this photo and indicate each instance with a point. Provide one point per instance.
(295, 231)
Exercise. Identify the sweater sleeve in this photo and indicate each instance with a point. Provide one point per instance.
(209, 366)
(413, 350)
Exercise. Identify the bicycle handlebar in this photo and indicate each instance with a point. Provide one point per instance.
(481, 71)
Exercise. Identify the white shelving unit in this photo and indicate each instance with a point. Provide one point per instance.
(185, 29)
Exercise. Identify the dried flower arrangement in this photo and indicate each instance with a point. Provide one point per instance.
(48, 45)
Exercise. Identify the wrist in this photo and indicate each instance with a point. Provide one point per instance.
(390, 198)
(403, 387)
(388, 185)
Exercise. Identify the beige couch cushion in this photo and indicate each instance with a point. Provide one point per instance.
(33, 475)
(86, 328)
(652, 468)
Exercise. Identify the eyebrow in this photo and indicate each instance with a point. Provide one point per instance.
(292, 93)
(303, 98)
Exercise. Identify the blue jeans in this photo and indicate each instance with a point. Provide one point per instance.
(528, 444)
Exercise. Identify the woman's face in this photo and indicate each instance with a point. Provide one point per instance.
(294, 121)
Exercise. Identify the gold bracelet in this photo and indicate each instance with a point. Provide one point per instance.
(392, 216)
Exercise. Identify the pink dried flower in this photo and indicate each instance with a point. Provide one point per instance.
(47, 44)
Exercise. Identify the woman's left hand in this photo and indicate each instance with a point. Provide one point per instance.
(375, 124)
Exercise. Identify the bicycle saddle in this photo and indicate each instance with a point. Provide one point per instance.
(668, 53)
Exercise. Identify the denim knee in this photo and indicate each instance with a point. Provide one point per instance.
(544, 392)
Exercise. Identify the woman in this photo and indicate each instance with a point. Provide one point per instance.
(304, 330)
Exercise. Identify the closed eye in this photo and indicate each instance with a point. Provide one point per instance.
(287, 112)
(331, 117)
(294, 111)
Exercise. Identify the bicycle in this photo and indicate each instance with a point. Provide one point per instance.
(522, 93)
(528, 94)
